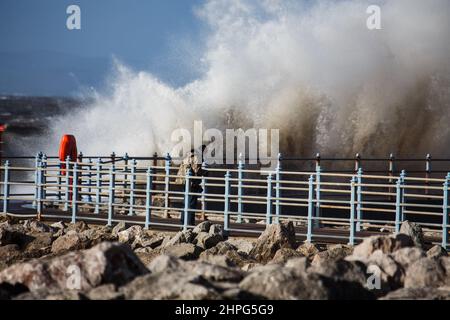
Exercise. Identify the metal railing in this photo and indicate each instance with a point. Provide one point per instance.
(322, 205)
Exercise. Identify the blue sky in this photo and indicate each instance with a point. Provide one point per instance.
(40, 56)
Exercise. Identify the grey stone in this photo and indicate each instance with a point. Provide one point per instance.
(226, 249)
(38, 226)
(407, 256)
(105, 292)
(105, 263)
(284, 254)
(308, 250)
(202, 227)
(69, 242)
(275, 237)
(217, 229)
(169, 286)
(121, 226)
(284, 283)
(413, 230)
(436, 252)
(207, 240)
(129, 235)
(425, 272)
(186, 251)
(299, 265)
(333, 253)
(387, 244)
(243, 247)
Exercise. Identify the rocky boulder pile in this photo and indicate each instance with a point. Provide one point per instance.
(79, 261)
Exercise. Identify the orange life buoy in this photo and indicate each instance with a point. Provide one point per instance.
(67, 147)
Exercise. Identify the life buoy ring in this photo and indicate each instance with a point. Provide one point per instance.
(67, 148)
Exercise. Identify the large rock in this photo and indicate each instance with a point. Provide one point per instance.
(341, 270)
(308, 250)
(147, 241)
(413, 230)
(220, 260)
(386, 269)
(9, 255)
(333, 253)
(105, 292)
(407, 256)
(226, 249)
(105, 263)
(275, 237)
(425, 272)
(69, 242)
(121, 226)
(13, 234)
(387, 244)
(78, 226)
(130, 234)
(40, 245)
(97, 235)
(38, 226)
(284, 254)
(202, 227)
(206, 240)
(243, 247)
(181, 237)
(186, 251)
(217, 229)
(286, 284)
(169, 285)
(299, 264)
(436, 252)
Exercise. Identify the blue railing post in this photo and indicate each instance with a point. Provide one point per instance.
(445, 213)
(269, 200)
(310, 208)
(239, 189)
(148, 197)
(278, 190)
(44, 177)
(359, 214)
(6, 187)
(132, 186)
(67, 193)
(317, 213)
(427, 172)
(74, 192)
(40, 190)
(398, 203)
(226, 206)
(351, 240)
(111, 198)
(126, 158)
(89, 189)
(37, 165)
(204, 192)
(167, 185)
(402, 208)
(98, 185)
(59, 182)
(186, 199)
